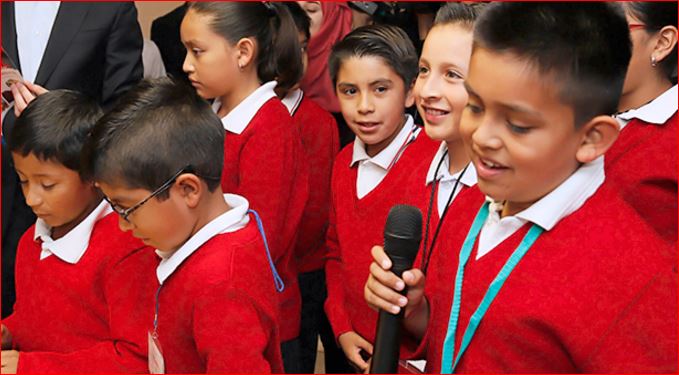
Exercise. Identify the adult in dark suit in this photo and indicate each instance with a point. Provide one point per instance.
(94, 48)
(165, 33)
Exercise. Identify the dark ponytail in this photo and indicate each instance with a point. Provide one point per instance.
(271, 25)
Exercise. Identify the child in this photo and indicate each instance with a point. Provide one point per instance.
(74, 310)
(158, 158)
(320, 140)
(590, 287)
(235, 50)
(440, 97)
(373, 69)
(643, 161)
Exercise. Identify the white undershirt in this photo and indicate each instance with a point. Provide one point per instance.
(34, 21)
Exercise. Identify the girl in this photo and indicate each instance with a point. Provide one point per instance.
(237, 53)
(643, 159)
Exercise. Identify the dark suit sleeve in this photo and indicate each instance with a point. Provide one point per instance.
(123, 54)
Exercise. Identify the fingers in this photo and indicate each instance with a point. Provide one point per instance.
(380, 257)
(22, 97)
(381, 290)
(36, 89)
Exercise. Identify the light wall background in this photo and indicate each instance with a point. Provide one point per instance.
(149, 10)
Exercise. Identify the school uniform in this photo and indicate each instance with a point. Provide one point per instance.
(643, 162)
(76, 298)
(595, 292)
(264, 162)
(363, 191)
(320, 141)
(216, 305)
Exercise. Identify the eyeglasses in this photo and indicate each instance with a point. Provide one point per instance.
(166, 185)
(634, 26)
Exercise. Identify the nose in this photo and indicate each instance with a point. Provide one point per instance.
(124, 224)
(430, 87)
(33, 198)
(187, 66)
(485, 134)
(365, 104)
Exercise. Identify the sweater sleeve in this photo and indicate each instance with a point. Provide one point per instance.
(231, 333)
(643, 338)
(335, 306)
(13, 322)
(112, 356)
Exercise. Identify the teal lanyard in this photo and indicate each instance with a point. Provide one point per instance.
(447, 364)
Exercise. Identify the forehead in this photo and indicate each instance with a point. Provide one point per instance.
(365, 69)
(196, 26)
(448, 43)
(31, 164)
(120, 192)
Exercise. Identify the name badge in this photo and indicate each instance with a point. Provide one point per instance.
(156, 361)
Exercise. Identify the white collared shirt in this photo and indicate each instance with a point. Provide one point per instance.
(372, 170)
(657, 111)
(548, 211)
(447, 181)
(293, 100)
(238, 119)
(72, 246)
(34, 21)
(232, 220)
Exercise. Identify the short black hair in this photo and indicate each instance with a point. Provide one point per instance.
(154, 130)
(55, 126)
(300, 17)
(585, 47)
(390, 43)
(656, 15)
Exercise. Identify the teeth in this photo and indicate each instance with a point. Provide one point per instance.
(436, 112)
(489, 164)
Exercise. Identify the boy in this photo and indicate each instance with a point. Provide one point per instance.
(320, 141)
(78, 276)
(158, 156)
(590, 287)
(373, 69)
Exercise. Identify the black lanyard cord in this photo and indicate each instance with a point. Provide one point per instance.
(426, 255)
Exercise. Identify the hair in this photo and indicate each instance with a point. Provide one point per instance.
(154, 130)
(655, 16)
(278, 53)
(585, 47)
(387, 42)
(300, 17)
(54, 127)
(458, 14)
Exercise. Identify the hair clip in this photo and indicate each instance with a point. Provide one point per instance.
(270, 8)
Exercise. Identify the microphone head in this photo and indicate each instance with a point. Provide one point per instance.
(403, 223)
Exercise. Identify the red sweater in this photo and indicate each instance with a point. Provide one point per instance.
(597, 293)
(643, 164)
(321, 144)
(356, 225)
(265, 164)
(83, 317)
(218, 310)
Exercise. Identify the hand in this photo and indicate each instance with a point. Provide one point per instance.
(352, 344)
(10, 359)
(6, 338)
(24, 93)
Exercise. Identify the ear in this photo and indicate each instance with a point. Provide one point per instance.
(190, 189)
(245, 49)
(666, 40)
(599, 134)
(410, 96)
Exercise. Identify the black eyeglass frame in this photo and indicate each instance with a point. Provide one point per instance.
(166, 185)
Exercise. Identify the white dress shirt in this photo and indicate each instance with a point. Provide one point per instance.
(657, 111)
(72, 246)
(232, 220)
(238, 119)
(34, 21)
(546, 212)
(372, 170)
(293, 100)
(447, 181)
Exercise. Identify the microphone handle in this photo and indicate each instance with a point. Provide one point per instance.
(387, 341)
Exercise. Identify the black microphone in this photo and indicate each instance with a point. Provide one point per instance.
(402, 235)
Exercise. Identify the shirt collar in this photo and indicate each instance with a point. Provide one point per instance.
(72, 246)
(657, 111)
(238, 119)
(565, 199)
(386, 156)
(292, 100)
(230, 221)
(468, 179)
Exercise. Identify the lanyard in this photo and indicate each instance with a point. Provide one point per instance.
(280, 286)
(409, 139)
(447, 364)
(426, 253)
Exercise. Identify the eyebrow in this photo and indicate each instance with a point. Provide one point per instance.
(511, 107)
